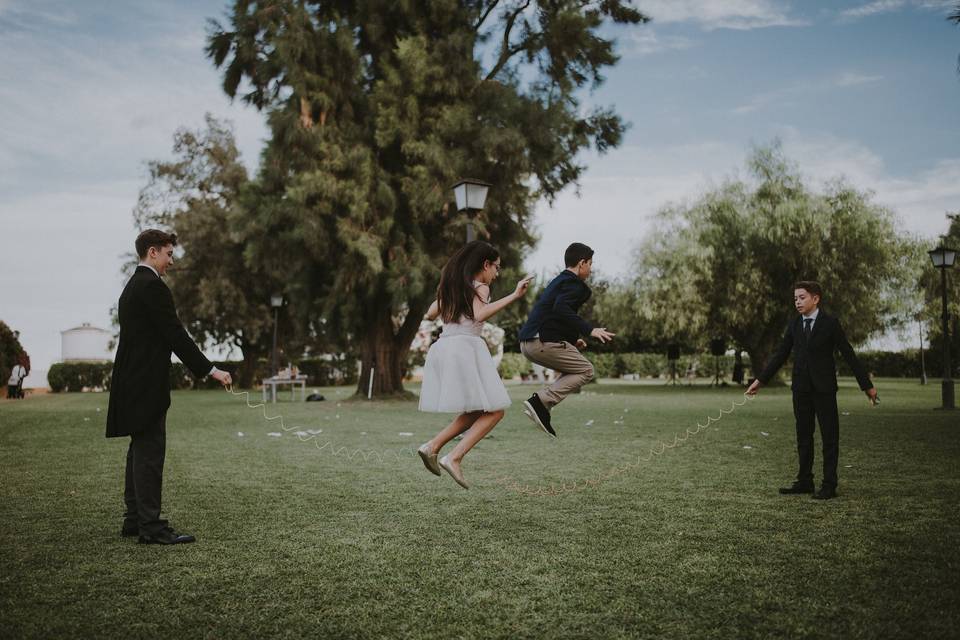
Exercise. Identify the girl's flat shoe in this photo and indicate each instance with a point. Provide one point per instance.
(454, 472)
(429, 459)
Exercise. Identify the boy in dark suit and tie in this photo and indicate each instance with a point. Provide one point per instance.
(813, 337)
(140, 389)
(551, 335)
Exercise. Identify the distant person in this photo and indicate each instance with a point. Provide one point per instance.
(140, 389)
(459, 375)
(551, 336)
(812, 337)
(15, 383)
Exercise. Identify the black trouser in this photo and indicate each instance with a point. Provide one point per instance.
(144, 479)
(12, 391)
(808, 406)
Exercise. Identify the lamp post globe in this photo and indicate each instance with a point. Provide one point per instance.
(471, 196)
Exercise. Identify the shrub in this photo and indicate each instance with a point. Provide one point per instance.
(513, 365)
(79, 376)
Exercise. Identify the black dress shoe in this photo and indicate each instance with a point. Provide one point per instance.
(826, 493)
(797, 487)
(167, 536)
(129, 532)
(536, 411)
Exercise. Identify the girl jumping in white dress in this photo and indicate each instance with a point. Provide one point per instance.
(460, 375)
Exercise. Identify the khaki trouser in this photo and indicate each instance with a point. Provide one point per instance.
(564, 358)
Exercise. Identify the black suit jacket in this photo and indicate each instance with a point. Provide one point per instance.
(149, 331)
(814, 368)
(554, 314)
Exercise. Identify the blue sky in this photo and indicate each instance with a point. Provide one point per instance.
(89, 91)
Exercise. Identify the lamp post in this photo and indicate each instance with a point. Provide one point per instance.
(943, 259)
(276, 301)
(923, 364)
(471, 196)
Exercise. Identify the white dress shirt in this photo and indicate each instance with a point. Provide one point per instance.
(812, 316)
(15, 375)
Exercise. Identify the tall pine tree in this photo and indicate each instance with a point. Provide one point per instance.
(376, 108)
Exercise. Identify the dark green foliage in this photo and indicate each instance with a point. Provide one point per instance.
(931, 311)
(80, 376)
(513, 365)
(11, 353)
(376, 108)
(889, 364)
(319, 371)
(329, 372)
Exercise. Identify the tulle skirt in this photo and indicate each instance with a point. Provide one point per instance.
(460, 376)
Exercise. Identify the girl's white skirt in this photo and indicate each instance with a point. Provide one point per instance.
(460, 376)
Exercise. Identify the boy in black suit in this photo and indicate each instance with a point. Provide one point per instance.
(812, 337)
(140, 389)
(551, 335)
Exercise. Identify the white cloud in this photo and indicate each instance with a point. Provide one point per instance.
(624, 190)
(889, 6)
(873, 8)
(723, 14)
(620, 195)
(920, 200)
(787, 94)
(646, 41)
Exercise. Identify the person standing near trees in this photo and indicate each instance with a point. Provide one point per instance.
(459, 375)
(140, 389)
(551, 335)
(812, 337)
(15, 383)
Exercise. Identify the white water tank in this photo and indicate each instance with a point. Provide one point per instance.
(85, 343)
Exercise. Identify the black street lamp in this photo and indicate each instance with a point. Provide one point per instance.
(943, 259)
(276, 301)
(471, 196)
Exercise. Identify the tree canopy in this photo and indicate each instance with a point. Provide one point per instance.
(725, 264)
(376, 108)
(223, 296)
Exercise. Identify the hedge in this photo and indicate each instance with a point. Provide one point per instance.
(80, 376)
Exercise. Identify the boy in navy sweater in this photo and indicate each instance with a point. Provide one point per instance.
(551, 336)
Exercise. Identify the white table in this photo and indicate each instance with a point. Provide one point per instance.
(299, 381)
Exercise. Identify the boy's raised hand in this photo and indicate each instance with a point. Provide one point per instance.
(601, 334)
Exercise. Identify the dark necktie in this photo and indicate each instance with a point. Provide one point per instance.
(806, 327)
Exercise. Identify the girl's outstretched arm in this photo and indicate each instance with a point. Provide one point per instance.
(483, 310)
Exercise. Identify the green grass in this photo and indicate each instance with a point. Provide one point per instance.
(295, 542)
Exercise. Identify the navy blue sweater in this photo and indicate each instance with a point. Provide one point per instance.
(554, 314)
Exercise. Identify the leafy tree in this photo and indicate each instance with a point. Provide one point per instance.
(724, 265)
(222, 292)
(376, 108)
(11, 352)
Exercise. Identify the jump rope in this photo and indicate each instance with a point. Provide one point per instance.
(507, 483)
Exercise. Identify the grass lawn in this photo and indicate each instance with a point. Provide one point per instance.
(294, 541)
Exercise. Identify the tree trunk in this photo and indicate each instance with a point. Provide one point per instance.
(247, 372)
(382, 359)
(385, 351)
